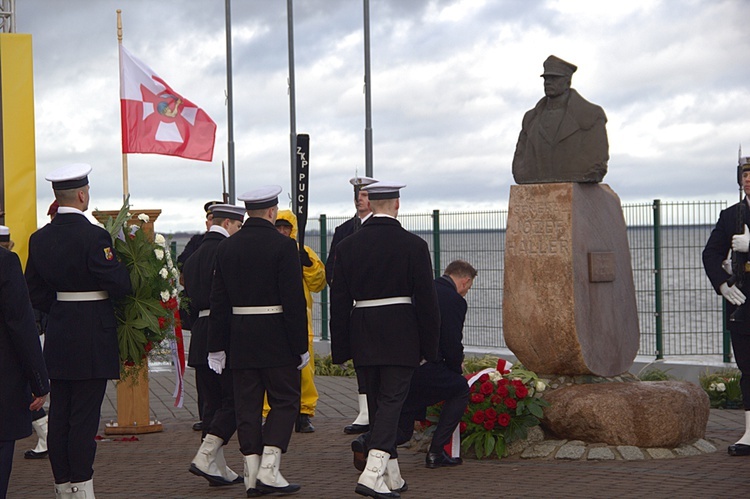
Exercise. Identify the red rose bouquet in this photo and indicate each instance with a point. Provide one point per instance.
(502, 406)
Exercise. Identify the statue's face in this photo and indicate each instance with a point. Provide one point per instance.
(554, 86)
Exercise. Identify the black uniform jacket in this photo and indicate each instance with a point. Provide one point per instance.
(198, 272)
(452, 314)
(71, 254)
(718, 246)
(22, 368)
(343, 231)
(383, 260)
(257, 266)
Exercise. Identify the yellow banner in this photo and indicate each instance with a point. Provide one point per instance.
(18, 158)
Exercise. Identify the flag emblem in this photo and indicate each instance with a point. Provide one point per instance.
(108, 253)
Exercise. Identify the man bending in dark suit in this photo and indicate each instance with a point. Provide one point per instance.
(443, 380)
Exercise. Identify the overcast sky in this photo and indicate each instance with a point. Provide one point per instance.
(451, 80)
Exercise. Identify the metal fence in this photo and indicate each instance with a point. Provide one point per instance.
(679, 312)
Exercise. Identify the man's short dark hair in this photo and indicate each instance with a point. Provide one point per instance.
(460, 268)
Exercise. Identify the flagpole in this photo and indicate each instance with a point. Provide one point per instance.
(125, 189)
(368, 106)
(292, 103)
(230, 104)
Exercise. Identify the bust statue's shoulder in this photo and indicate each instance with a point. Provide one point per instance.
(586, 113)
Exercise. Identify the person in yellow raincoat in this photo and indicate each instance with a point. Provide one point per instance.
(314, 280)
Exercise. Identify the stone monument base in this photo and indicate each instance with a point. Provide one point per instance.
(640, 414)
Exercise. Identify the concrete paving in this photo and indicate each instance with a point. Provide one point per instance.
(156, 465)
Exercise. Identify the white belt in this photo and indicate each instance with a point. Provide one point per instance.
(82, 295)
(204, 313)
(270, 309)
(396, 300)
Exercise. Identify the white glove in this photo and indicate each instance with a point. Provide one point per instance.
(217, 361)
(741, 243)
(727, 266)
(304, 360)
(732, 294)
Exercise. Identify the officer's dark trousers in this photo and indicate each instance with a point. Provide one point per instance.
(218, 402)
(740, 332)
(430, 384)
(282, 384)
(387, 388)
(6, 464)
(74, 412)
(361, 389)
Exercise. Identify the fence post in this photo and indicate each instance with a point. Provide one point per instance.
(657, 280)
(436, 241)
(324, 293)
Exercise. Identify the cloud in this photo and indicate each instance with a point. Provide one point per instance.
(451, 80)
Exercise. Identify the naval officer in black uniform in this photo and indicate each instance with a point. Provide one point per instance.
(73, 273)
(732, 281)
(215, 390)
(24, 378)
(259, 316)
(361, 423)
(189, 315)
(384, 315)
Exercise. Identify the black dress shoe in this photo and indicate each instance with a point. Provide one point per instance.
(268, 489)
(303, 424)
(440, 459)
(359, 448)
(198, 426)
(363, 490)
(213, 480)
(739, 450)
(30, 454)
(355, 429)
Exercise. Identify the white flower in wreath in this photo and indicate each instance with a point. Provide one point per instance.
(721, 387)
(143, 218)
(160, 240)
(174, 292)
(495, 376)
(164, 296)
(164, 273)
(540, 386)
(159, 254)
(712, 387)
(175, 273)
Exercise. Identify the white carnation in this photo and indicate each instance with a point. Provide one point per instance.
(495, 376)
(175, 273)
(540, 386)
(143, 218)
(164, 295)
(160, 240)
(720, 387)
(159, 254)
(164, 273)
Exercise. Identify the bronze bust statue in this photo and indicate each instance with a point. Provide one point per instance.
(563, 139)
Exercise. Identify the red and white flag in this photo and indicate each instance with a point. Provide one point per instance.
(158, 120)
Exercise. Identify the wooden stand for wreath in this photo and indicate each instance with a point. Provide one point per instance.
(133, 414)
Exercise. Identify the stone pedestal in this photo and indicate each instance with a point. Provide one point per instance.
(642, 414)
(568, 295)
